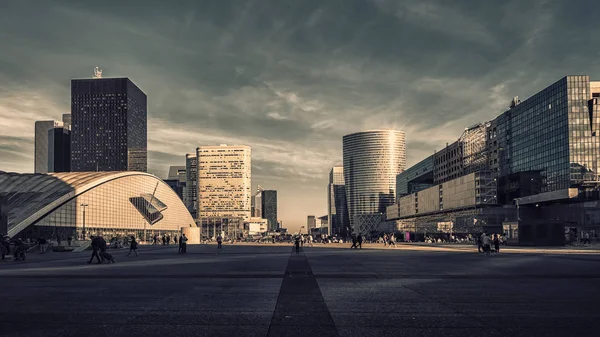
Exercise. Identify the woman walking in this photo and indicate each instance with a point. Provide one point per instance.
(133, 246)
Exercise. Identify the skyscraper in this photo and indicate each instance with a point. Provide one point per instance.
(109, 125)
(269, 208)
(224, 181)
(337, 209)
(191, 183)
(52, 146)
(372, 159)
(257, 203)
(311, 222)
(59, 149)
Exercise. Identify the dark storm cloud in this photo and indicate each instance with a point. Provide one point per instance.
(289, 78)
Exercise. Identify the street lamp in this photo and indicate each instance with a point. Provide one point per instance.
(83, 231)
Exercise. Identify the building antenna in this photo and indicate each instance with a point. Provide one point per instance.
(97, 72)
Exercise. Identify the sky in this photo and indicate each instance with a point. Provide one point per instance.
(289, 78)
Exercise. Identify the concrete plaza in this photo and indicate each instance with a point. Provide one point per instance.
(266, 290)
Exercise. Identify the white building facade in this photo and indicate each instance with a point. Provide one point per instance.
(224, 181)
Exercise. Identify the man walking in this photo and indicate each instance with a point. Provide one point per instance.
(360, 241)
(297, 244)
(96, 242)
(183, 240)
(219, 242)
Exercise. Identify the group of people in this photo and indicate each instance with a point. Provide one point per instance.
(485, 241)
(389, 240)
(357, 241)
(20, 250)
(166, 240)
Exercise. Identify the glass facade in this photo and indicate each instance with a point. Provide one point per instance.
(337, 209)
(109, 125)
(372, 160)
(554, 133)
(42, 130)
(415, 178)
(117, 203)
(269, 208)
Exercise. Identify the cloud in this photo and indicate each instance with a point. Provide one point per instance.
(288, 78)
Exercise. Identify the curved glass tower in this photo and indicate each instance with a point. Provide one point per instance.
(372, 159)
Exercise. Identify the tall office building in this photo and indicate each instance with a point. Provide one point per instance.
(52, 146)
(191, 183)
(224, 181)
(337, 209)
(109, 125)
(269, 208)
(257, 203)
(59, 149)
(372, 159)
(542, 154)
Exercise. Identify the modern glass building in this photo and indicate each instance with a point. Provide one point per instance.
(372, 160)
(269, 208)
(52, 146)
(415, 178)
(109, 125)
(337, 208)
(107, 203)
(543, 155)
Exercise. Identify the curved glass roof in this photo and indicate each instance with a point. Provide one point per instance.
(31, 196)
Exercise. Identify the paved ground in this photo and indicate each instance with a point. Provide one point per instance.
(266, 291)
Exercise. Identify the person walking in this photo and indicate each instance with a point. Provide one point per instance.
(297, 243)
(96, 242)
(69, 240)
(480, 242)
(586, 238)
(42, 244)
(175, 239)
(485, 241)
(385, 240)
(183, 240)
(354, 242)
(392, 240)
(360, 241)
(219, 242)
(4, 246)
(133, 246)
(496, 244)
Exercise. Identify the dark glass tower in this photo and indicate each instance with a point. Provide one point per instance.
(59, 149)
(269, 208)
(109, 125)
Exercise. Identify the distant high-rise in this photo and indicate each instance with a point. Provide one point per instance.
(311, 222)
(177, 180)
(52, 147)
(269, 208)
(191, 183)
(337, 209)
(109, 125)
(224, 181)
(372, 159)
(256, 203)
(59, 149)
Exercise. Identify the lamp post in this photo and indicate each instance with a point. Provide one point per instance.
(83, 231)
